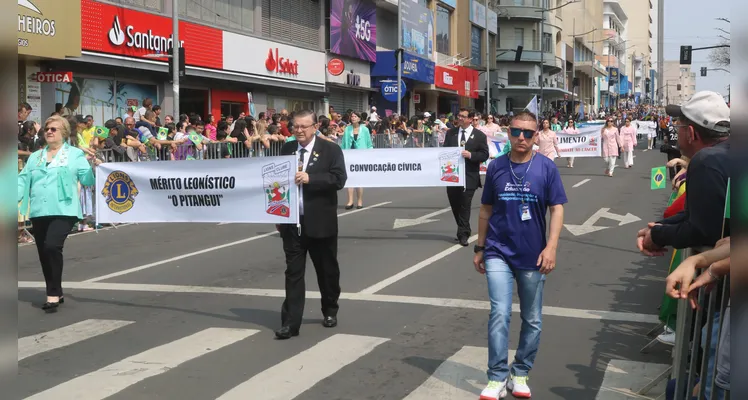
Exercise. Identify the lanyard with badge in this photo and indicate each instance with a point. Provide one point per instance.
(524, 211)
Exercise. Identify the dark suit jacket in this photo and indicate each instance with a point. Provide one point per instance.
(327, 175)
(477, 145)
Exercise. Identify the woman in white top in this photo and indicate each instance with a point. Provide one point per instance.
(571, 128)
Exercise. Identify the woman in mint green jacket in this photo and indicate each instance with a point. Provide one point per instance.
(356, 136)
(48, 192)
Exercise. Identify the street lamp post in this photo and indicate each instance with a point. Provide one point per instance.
(175, 56)
(542, 34)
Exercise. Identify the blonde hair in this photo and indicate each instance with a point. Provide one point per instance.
(64, 122)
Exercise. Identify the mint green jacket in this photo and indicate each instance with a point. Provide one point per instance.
(53, 190)
(363, 141)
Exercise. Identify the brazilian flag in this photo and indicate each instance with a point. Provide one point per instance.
(669, 305)
(659, 180)
(101, 132)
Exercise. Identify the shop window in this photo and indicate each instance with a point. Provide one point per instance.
(515, 78)
(443, 19)
(234, 14)
(292, 21)
(231, 108)
(85, 96)
(133, 94)
(278, 104)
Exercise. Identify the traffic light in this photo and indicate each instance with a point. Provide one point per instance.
(646, 85)
(182, 72)
(677, 87)
(518, 54)
(703, 71)
(685, 55)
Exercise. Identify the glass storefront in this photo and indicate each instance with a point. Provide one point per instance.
(278, 104)
(104, 99)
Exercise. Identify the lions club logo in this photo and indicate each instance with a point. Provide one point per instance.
(119, 192)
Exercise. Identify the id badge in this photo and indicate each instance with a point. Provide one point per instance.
(525, 212)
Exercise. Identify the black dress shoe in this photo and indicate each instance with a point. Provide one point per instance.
(49, 307)
(330, 322)
(463, 241)
(348, 206)
(286, 332)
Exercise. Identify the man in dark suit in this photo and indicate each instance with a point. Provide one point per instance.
(321, 173)
(475, 152)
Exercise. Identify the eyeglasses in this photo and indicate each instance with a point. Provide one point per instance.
(527, 133)
(301, 127)
(51, 129)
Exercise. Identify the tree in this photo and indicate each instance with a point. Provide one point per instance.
(720, 56)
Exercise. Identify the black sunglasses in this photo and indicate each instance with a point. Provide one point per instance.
(528, 133)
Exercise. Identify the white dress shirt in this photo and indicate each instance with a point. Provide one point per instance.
(464, 131)
(307, 157)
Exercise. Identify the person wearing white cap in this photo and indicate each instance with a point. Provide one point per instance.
(703, 125)
(373, 116)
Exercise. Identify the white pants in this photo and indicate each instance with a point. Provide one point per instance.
(611, 162)
(628, 158)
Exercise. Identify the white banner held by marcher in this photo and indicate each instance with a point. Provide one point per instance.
(425, 167)
(584, 144)
(495, 148)
(244, 190)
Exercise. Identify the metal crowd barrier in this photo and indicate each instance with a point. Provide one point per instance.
(692, 358)
(214, 151)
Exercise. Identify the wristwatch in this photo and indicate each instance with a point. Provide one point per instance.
(478, 249)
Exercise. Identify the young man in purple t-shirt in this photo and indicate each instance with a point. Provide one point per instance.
(512, 246)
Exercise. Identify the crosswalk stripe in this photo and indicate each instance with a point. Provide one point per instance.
(292, 377)
(116, 377)
(460, 377)
(42, 342)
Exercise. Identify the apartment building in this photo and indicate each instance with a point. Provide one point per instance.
(581, 43)
(679, 83)
(641, 43)
(614, 53)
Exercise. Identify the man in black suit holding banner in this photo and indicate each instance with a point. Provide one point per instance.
(475, 151)
(321, 174)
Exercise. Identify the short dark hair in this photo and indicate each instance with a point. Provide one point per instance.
(525, 115)
(306, 113)
(708, 136)
(471, 113)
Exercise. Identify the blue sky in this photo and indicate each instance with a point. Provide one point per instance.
(693, 22)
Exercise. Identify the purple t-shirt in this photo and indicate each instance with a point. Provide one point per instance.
(517, 240)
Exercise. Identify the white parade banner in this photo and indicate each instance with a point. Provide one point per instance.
(495, 148)
(244, 190)
(426, 167)
(584, 144)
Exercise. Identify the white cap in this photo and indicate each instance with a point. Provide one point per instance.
(427, 115)
(373, 108)
(705, 108)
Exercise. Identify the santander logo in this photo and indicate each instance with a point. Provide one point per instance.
(116, 34)
(281, 64)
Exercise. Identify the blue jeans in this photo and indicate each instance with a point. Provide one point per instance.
(530, 290)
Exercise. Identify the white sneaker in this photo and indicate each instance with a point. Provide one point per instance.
(518, 386)
(667, 337)
(495, 390)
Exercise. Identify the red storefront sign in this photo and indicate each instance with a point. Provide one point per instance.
(462, 80)
(115, 30)
(335, 66)
(54, 77)
(280, 64)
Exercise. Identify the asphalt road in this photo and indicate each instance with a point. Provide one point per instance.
(187, 311)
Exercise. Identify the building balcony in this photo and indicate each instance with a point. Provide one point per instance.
(521, 9)
(608, 61)
(551, 63)
(612, 35)
(591, 68)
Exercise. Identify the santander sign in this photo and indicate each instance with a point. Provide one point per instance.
(281, 65)
(139, 40)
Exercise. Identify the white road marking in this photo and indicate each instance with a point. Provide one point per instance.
(116, 377)
(460, 377)
(294, 376)
(582, 183)
(280, 293)
(406, 222)
(623, 379)
(209, 249)
(589, 225)
(42, 342)
(425, 263)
